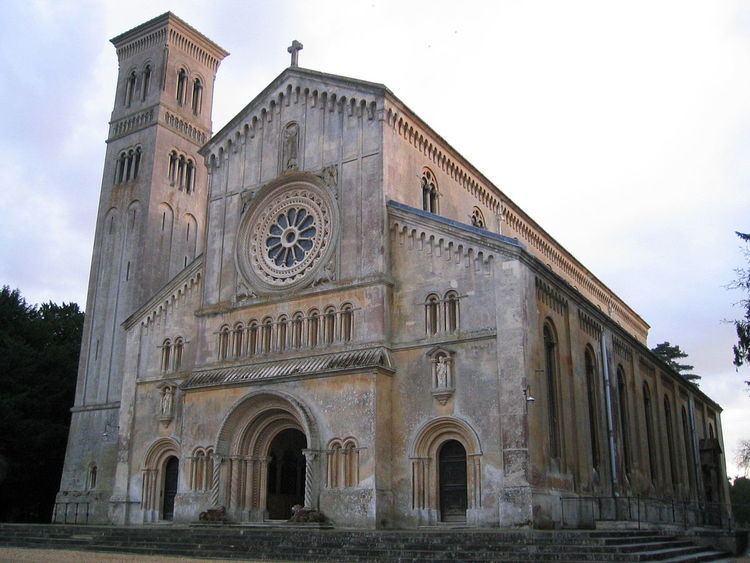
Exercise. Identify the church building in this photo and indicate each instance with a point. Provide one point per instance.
(324, 304)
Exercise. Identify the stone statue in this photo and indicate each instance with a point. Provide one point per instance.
(166, 402)
(290, 147)
(441, 370)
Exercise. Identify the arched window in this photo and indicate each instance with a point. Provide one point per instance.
(451, 311)
(172, 169)
(181, 84)
(351, 463)
(347, 312)
(181, 168)
(431, 316)
(199, 470)
(238, 333)
(429, 191)
(297, 321)
(91, 478)
(477, 218)
(593, 406)
(223, 342)
(267, 331)
(550, 370)
(670, 441)
(179, 343)
(136, 162)
(252, 338)
(689, 460)
(623, 408)
(120, 168)
(313, 322)
(648, 411)
(130, 89)
(197, 96)
(166, 354)
(329, 325)
(281, 333)
(334, 463)
(189, 176)
(146, 81)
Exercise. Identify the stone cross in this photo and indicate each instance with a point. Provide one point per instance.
(294, 49)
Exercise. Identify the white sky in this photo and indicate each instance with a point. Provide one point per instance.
(623, 128)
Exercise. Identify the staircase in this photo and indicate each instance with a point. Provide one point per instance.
(303, 543)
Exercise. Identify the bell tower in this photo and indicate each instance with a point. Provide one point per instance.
(150, 225)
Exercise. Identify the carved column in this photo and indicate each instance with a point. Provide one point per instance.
(311, 458)
(215, 481)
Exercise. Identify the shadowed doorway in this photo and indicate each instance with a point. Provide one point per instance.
(171, 473)
(286, 473)
(452, 475)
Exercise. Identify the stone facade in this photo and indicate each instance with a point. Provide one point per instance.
(324, 304)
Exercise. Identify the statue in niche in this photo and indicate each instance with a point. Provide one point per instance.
(441, 370)
(290, 147)
(167, 399)
(443, 384)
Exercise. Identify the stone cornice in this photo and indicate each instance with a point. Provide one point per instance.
(170, 30)
(168, 295)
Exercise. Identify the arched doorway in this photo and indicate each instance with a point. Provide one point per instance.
(286, 473)
(269, 446)
(452, 482)
(171, 474)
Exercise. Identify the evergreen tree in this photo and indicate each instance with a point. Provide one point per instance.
(39, 349)
(742, 326)
(670, 355)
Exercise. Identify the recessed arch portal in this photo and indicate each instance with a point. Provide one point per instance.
(262, 432)
(425, 452)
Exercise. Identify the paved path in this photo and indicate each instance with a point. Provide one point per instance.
(13, 554)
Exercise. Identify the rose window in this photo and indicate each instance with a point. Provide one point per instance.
(286, 237)
(291, 237)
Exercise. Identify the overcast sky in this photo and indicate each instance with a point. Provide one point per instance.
(623, 128)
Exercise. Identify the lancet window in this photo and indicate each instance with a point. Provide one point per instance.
(181, 86)
(128, 165)
(688, 448)
(223, 342)
(238, 334)
(347, 312)
(146, 82)
(130, 89)
(197, 96)
(429, 191)
(285, 333)
(179, 344)
(670, 441)
(343, 463)
(202, 470)
(550, 371)
(166, 354)
(623, 413)
(181, 172)
(593, 406)
(441, 315)
(91, 477)
(648, 412)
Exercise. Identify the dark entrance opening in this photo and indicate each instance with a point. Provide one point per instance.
(452, 477)
(171, 472)
(286, 473)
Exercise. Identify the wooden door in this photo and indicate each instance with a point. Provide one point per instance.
(171, 473)
(452, 477)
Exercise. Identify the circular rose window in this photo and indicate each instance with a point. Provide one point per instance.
(286, 236)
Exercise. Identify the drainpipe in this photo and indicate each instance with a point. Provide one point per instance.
(608, 400)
